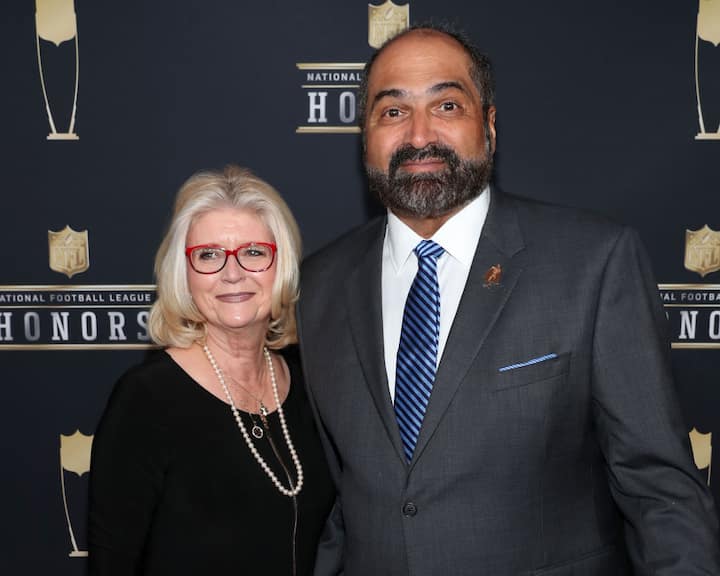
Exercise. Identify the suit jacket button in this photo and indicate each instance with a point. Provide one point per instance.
(409, 509)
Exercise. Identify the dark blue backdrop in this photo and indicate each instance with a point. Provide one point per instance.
(596, 108)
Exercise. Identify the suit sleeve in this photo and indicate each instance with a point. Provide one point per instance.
(129, 456)
(670, 519)
(329, 557)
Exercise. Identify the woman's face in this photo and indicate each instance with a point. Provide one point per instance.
(232, 299)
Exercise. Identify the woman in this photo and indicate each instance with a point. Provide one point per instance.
(207, 460)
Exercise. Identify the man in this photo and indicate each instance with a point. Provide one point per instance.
(496, 401)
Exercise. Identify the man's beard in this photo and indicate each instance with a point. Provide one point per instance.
(430, 194)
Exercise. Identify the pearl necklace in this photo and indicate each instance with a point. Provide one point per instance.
(292, 491)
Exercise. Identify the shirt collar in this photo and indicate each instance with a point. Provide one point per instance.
(459, 236)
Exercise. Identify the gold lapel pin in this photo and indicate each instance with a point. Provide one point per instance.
(493, 276)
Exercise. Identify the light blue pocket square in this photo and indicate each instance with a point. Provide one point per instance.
(528, 362)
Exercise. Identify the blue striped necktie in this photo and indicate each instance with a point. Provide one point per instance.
(417, 352)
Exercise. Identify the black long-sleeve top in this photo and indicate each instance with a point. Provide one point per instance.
(175, 490)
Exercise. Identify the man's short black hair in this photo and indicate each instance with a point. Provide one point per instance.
(480, 68)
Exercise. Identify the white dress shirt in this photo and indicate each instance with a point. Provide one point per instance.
(459, 237)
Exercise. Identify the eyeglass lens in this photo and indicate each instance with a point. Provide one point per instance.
(253, 258)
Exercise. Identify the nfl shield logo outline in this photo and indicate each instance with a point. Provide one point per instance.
(69, 251)
(385, 21)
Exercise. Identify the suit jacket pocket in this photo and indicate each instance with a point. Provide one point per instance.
(531, 373)
(602, 562)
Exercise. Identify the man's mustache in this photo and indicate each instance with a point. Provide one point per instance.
(410, 153)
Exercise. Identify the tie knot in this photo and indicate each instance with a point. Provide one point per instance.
(428, 249)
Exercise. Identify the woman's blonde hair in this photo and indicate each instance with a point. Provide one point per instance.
(174, 318)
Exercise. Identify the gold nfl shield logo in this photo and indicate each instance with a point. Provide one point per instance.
(385, 21)
(702, 250)
(69, 253)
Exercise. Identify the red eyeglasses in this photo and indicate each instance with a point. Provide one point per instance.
(210, 259)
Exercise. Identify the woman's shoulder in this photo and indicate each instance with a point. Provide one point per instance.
(152, 381)
(156, 368)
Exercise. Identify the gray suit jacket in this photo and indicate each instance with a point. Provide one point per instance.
(575, 465)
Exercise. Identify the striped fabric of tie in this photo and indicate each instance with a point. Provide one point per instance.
(417, 353)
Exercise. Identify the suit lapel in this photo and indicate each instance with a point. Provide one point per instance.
(480, 306)
(364, 303)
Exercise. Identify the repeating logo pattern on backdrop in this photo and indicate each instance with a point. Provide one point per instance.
(331, 87)
(385, 21)
(693, 309)
(702, 451)
(708, 31)
(74, 458)
(702, 250)
(56, 23)
(74, 317)
(69, 251)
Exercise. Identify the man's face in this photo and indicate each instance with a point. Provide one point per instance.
(427, 147)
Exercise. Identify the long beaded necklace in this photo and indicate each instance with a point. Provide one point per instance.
(293, 490)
